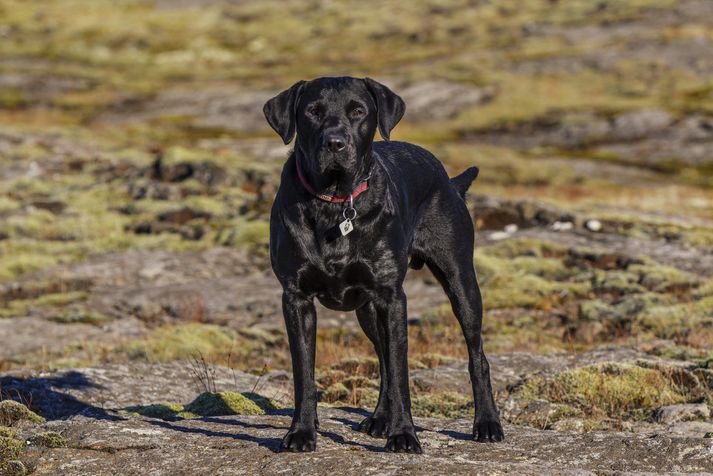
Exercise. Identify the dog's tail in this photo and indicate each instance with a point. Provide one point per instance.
(463, 181)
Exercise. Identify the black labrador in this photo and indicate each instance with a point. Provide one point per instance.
(349, 218)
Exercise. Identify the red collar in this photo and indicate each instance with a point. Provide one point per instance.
(329, 198)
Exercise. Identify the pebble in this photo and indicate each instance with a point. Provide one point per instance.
(562, 225)
(593, 225)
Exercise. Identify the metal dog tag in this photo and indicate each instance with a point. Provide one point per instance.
(346, 227)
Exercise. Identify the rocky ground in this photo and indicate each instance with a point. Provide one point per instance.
(99, 437)
(139, 318)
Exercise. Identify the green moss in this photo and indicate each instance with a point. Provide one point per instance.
(615, 281)
(678, 321)
(10, 449)
(80, 315)
(181, 342)
(610, 390)
(164, 411)
(523, 247)
(14, 265)
(12, 412)
(49, 439)
(662, 278)
(335, 393)
(225, 403)
(60, 299)
(210, 404)
(442, 405)
(253, 234)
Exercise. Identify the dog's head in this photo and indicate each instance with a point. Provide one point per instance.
(335, 119)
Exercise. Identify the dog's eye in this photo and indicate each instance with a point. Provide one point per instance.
(356, 112)
(314, 111)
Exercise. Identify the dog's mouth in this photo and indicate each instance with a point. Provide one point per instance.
(342, 161)
(337, 177)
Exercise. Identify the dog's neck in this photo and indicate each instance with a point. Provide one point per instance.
(337, 183)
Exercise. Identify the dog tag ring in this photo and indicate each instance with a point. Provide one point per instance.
(346, 226)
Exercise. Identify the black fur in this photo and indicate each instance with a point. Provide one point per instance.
(411, 210)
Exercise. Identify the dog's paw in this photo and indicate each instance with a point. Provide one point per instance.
(405, 442)
(373, 426)
(299, 441)
(488, 431)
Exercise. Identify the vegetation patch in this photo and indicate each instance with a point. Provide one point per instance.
(12, 412)
(210, 404)
(620, 391)
(48, 439)
(442, 405)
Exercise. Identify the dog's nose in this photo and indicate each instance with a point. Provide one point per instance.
(334, 143)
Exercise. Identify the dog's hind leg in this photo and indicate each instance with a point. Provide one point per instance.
(376, 424)
(445, 242)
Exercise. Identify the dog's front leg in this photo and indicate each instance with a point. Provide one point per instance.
(392, 321)
(301, 324)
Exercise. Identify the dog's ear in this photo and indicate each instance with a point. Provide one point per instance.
(390, 106)
(281, 111)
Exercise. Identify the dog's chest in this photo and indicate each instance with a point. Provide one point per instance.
(339, 283)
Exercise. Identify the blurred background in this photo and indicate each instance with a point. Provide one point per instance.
(137, 173)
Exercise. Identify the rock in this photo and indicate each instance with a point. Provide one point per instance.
(54, 206)
(638, 124)
(219, 106)
(140, 445)
(569, 424)
(494, 214)
(499, 235)
(593, 225)
(441, 99)
(562, 225)
(682, 412)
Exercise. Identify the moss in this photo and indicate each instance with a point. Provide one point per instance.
(225, 403)
(12, 412)
(181, 342)
(164, 411)
(529, 291)
(13, 468)
(80, 315)
(10, 449)
(49, 439)
(335, 393)
(253, 234)
(60, 299)
(442, 405)
(616, 282)
(688, 320)
(523, 247)
(14, 265)
(210, 404)
(661, 278)
(610, 390)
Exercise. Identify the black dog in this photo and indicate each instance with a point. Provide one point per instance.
(347, 218)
